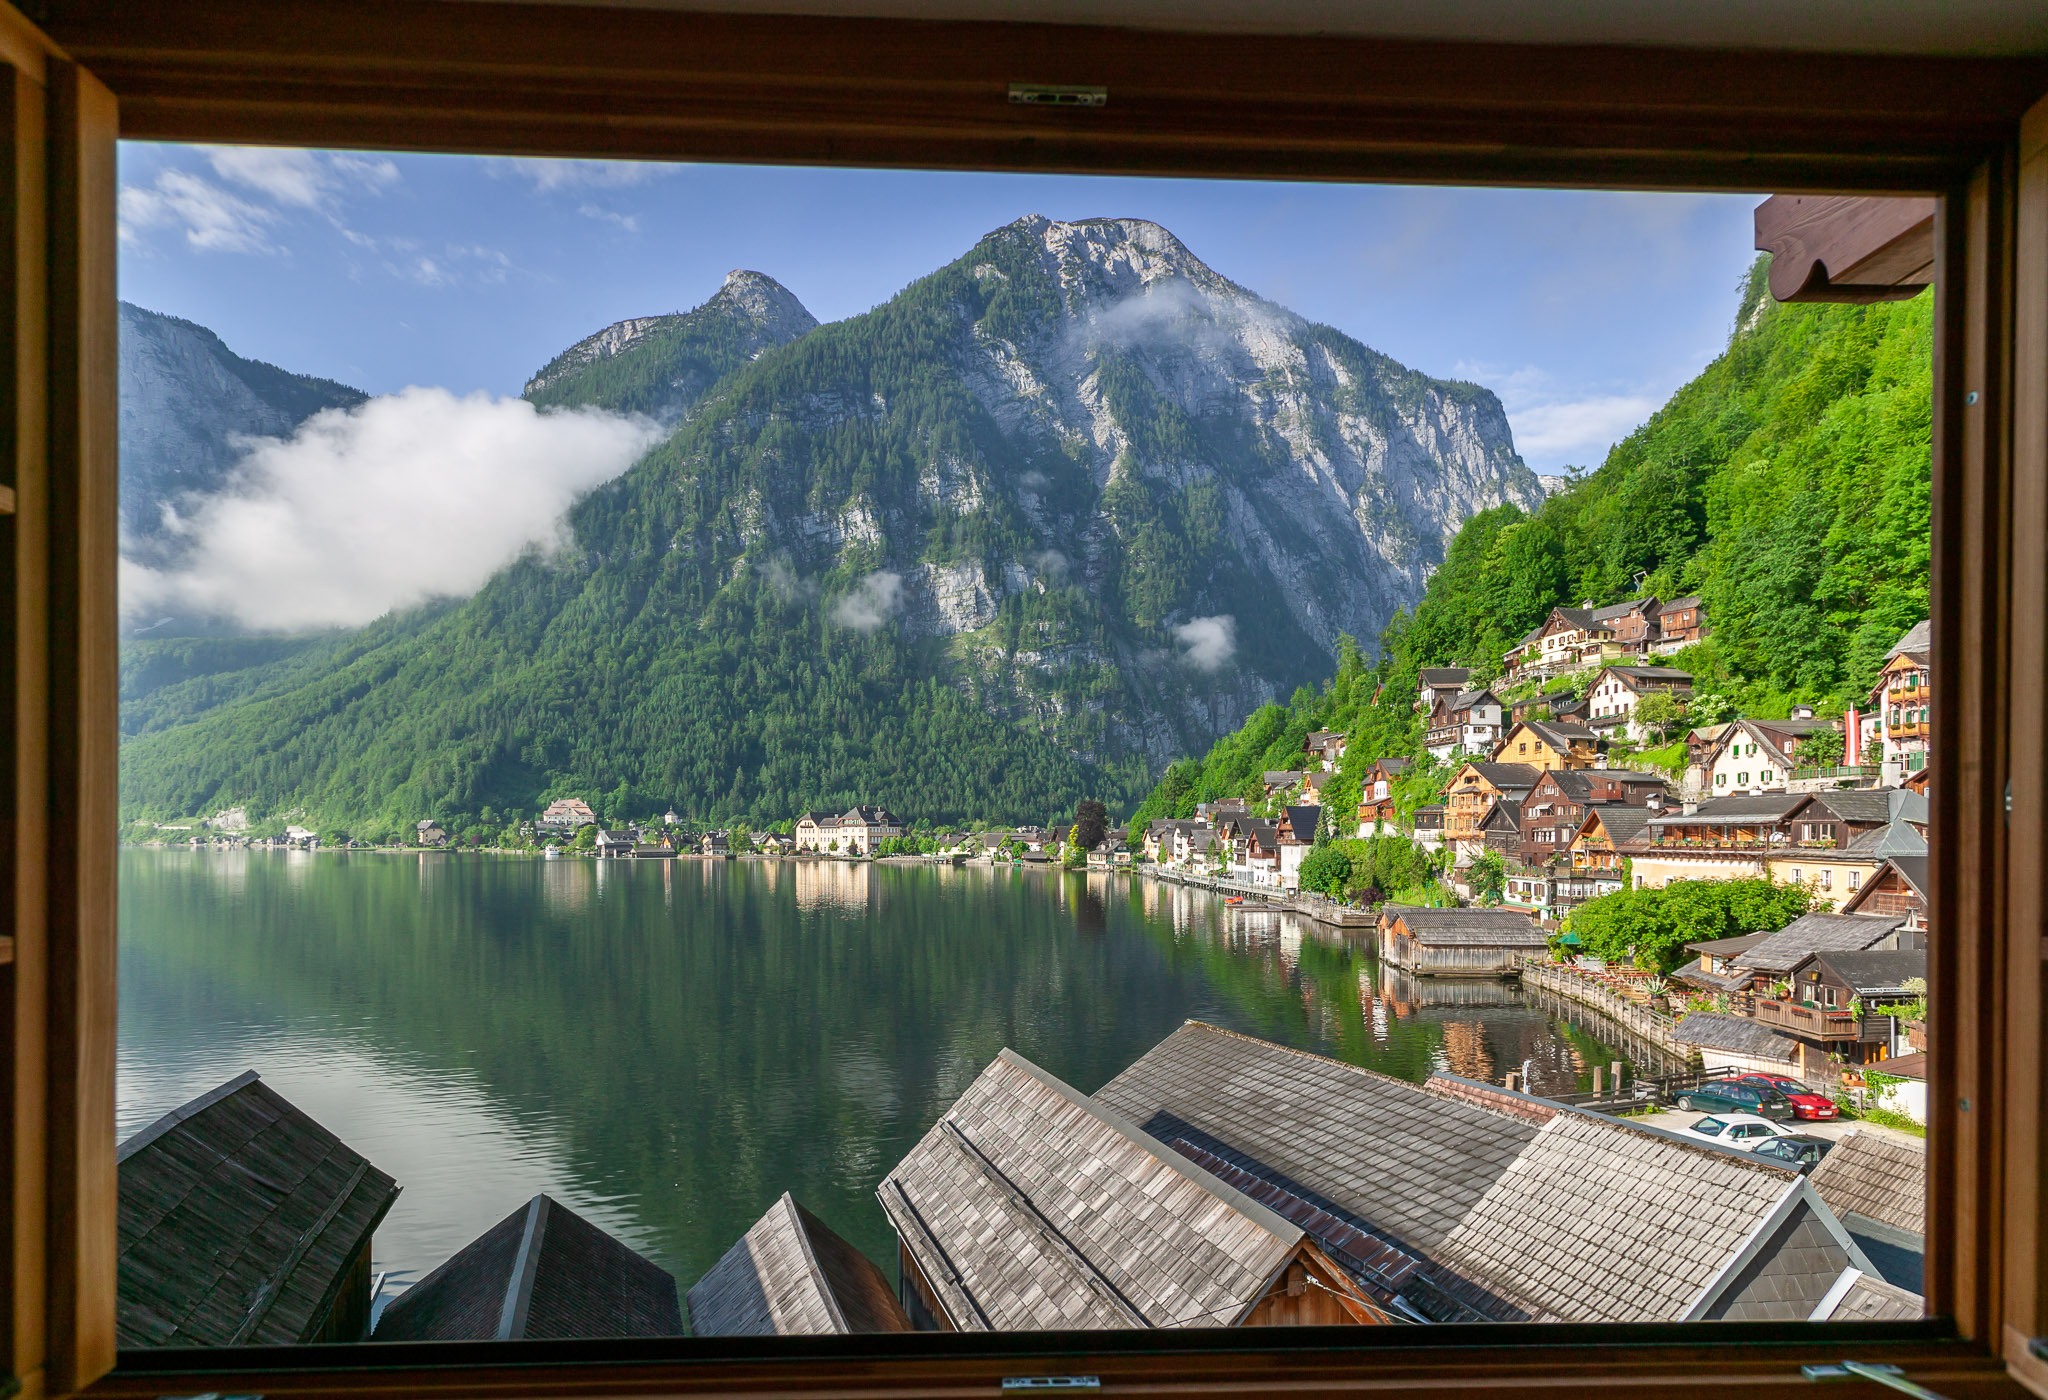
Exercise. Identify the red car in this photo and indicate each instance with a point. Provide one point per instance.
(1806, 1103)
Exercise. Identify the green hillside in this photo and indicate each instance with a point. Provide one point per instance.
(1787, 486)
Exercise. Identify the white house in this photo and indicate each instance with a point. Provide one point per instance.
(1467, 723)
(1617, 690)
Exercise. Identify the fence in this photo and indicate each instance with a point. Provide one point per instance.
(1646, 1024)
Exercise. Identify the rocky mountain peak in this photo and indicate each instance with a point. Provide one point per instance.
(772, 307)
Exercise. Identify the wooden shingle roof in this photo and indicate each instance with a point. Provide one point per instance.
(1475, 928)
(541, 1272)
(1821, 933)
(1878, 1177)
(1407, 1162)
(239, 1216)
(1029, 1206)
(1597, 1221)
(792, 1275)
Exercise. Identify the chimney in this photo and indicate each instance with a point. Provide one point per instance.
(1802, 712)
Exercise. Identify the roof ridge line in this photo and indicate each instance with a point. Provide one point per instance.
(143, 1137)
(1265, 1217)
(525, 1267)
(1295, 1050)
(796, 1218)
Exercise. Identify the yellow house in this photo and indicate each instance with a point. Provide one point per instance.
(1544, 745)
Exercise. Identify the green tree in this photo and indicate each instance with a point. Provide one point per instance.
(1821, 749)
(586, 838)
(1652, 926)
(1091, 824)
(1327, 869)
(1488, 876)
(1659, 713)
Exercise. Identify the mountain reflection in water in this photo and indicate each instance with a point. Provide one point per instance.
(667, 1046)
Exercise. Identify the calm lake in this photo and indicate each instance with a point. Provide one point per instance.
(667, 1046)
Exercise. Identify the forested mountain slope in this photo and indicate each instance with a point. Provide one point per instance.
(1065, 507)
(1787, 486)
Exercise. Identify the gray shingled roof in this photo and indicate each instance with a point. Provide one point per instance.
(1866, 805)
(1577, 1218)
(1877, 1176)
(1715, 1030)
(1653, 673)
(1820, 933)
(238, 1217)
(1879, 972)
(541, 1272)
(1741, 809)
(1403, 1161)
(791, 1275)
(1868, 1298)
(1445, 675)
(1028, 1207)
(1466, 699)
(1728, 947)
(1503, 811)
(1624, 821)
(1508, 776)
(1698, 976)
(1919, 641)
(1598, 1221)
(1468, 928)
(1895, 839)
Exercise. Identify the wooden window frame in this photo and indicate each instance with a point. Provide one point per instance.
(495, 78)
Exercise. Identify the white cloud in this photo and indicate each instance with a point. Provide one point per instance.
(211, 219)
(405, 498)
(548, 176)
(1207, 643)
(1579, 430)
(1558, 424)
(305, 179)
(873, 601)
(628, 222)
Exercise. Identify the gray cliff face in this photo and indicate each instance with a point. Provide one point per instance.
(1191, 460)
(1351, 472)
(186, 400)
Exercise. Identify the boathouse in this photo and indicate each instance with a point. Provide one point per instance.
(1030, 1206)
(541, 1272)
(792, 1275)
(1458, 942)
(244, 1223)
(1523, 1211)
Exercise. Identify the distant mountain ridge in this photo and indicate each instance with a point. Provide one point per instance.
(1065, 508)
(185, 400)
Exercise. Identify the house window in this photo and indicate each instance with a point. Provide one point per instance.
(1855, 879)
(1721, 780)
(1827, 879)
(1742, 779)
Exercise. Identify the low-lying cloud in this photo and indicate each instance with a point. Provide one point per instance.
(1207, 643)
(873, 601)
(402, 499)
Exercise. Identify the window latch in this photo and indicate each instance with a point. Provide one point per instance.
(1863, 1370)
(1021, 1385)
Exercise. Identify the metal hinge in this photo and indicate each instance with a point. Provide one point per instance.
(1030, 1383)
(1864, 1370)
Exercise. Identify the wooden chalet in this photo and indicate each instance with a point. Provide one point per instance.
(1501, 828)
(793, 1275)
(1440, 683)
(541, 1272)
(1549, 744)
(1430, 818)
(1376, 794)
(244, 1223)
(1617, 690)
(1903, 699)
(1716, 964)
(1476, 787)
(1556, 807)
(1572, 639)
(1772, 959)
(1463, 1203)
(1466, 723)
(1562, 704)
(1457, 942)
(1325, 747)
(1680, 623)
(1030, 1206)
(1899, 887)
(1839, 998)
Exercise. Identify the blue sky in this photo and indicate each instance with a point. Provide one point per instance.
(1582, 310)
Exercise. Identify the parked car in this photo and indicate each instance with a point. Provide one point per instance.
(1733, 1096)
(1795, 1150)
(1744, 1130)
(1806, 1102)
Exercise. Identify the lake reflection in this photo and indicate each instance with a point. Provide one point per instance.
(667, 1046)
